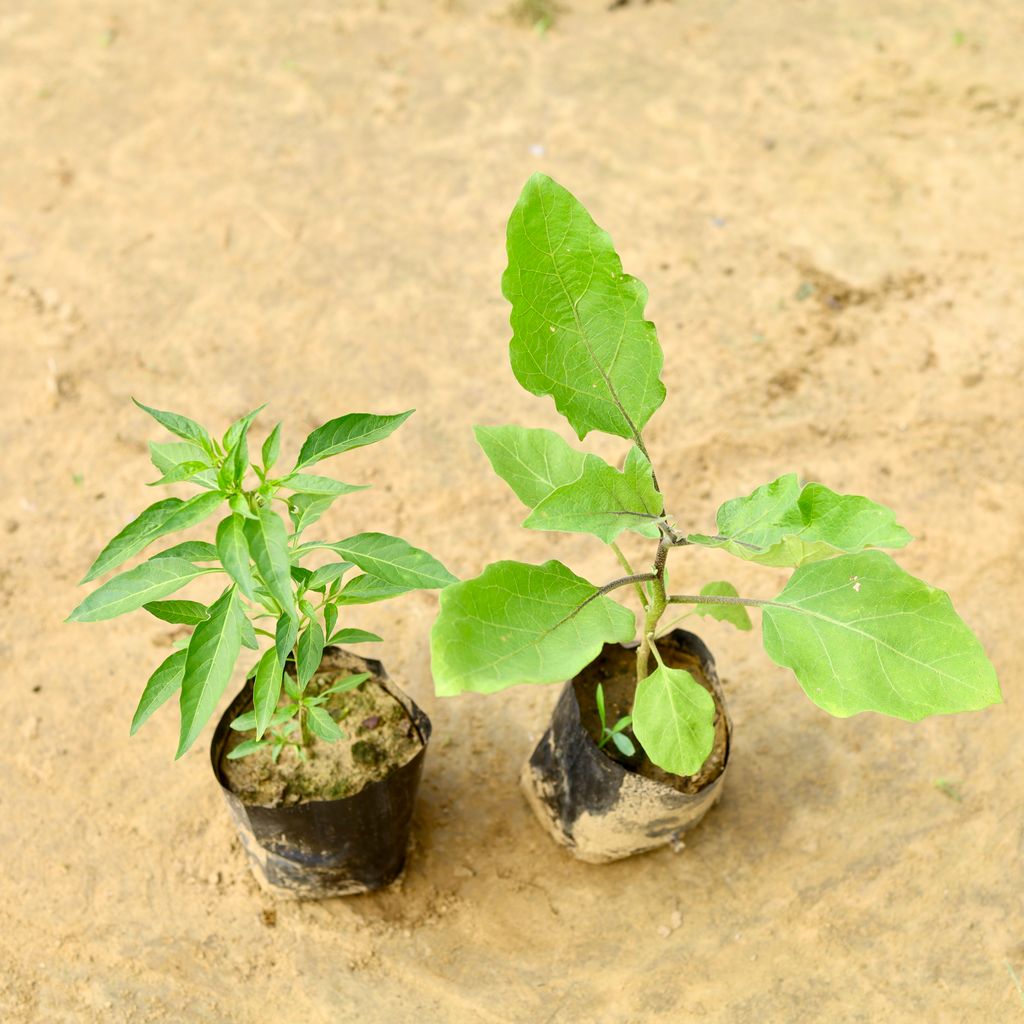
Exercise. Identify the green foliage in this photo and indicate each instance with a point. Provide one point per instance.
(270, 596)
(859, 633)
(614, 734)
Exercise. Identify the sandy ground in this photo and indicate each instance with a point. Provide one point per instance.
(212, 205)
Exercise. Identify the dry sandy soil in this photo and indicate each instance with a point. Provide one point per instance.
(209, 205)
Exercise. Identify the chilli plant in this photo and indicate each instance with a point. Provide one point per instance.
(859, 633)
(269, 598)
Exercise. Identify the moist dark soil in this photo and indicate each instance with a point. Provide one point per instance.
(615, 669)
(379, 738)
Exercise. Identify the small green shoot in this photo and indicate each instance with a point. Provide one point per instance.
(615, 734)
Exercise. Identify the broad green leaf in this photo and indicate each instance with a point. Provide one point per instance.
(327, 574)
(305, 509)
(246, 748)
(519, 623)
(345, 433)
(233, 549)
(368, 590)
(183, 471)
(268, 544)
(163, 684)
(271, 448)
(266, 690)
(180, 425)
(533, 462)
(321, 724)
(863, 635)
(674, 720)
(133, 538)
(354, 636)
(304, 483)
(311, 652)
(284, 638)
(136, 587)
(157, 521)
(579, 333)
(240, 428)
(210, 659)
(393, 560)
(604, 501)
(781, 525)
(734, 613)
(186, 613)
(191, 551)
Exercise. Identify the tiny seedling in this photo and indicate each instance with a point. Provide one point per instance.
(616, 733)
(859, 632)
(270, 597)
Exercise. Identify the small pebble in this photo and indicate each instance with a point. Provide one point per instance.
(677, 919)
(664, 932)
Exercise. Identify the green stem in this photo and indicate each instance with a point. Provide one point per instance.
(655, 609)
(713, 599)
(624, 562)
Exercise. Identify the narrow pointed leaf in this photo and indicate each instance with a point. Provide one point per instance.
(285, 634)
(733, 613)
(345, 433)
(863, 635)
(579, 333)
(327, 574)
(321, 724)
(248, 631)
(267, 539)
(603, 501)
(781, 524)
(368, 590)
(141, 531)
(394, 560)
(186, 613)
(266, 690)
(137, 587)
(240, 428)
(519, 623)
(674, 720)
(354, 636)
(163, 684)
(304, 483)
(271, 447)
(246, 748)
(233, 549)
(180, 473)
(210, 660)
(180, 425)
(191, 551)
(311, 652)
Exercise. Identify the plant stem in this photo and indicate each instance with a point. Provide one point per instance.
(713, 599)
(624, 562)
(307, 736)
(655, 609)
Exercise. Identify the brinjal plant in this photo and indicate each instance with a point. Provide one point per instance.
(859, 632)
(270, 600)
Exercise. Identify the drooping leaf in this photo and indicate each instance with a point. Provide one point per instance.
(579, 333)
(734, 613)
(354, 636)
(180, 425)
(393, 560)
(266, 690)
(674, 720)
(267, 539)
(304, 483)
(368, 590)
(863, 635)
(781, 525)
(520, 623)
(321, 724)
(345, 433)
(186, 613)
(163, 684)
(191, 551)
(533, 462)
(209, 662)
(148, 582)
(133, 538)
(233, 549)
(603, 501)
(310, 651)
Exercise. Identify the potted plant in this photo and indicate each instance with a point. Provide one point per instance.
(320, 755)
(638, 744)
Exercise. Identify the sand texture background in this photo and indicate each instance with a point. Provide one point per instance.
(211, 205)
